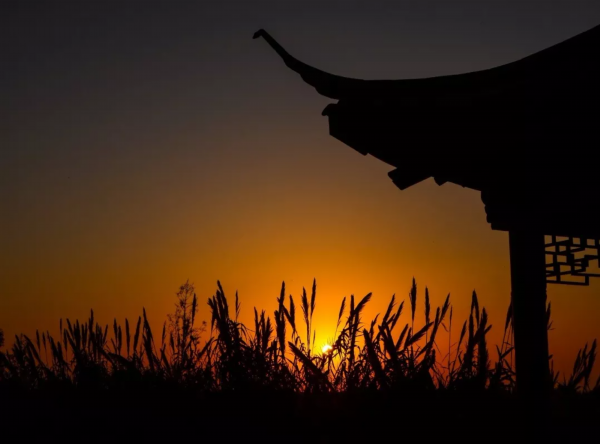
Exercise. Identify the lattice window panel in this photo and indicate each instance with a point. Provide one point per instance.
(571, 260)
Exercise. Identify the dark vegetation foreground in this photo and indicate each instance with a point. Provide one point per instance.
(170, 416)
(269, 384)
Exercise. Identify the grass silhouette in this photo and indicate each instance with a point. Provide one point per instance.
(226, 373)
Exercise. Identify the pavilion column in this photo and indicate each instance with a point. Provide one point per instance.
(528, 278)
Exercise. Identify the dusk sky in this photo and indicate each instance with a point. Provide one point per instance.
(146, 143)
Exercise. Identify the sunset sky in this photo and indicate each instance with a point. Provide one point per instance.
(146, 143)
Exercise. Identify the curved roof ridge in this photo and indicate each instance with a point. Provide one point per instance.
(540, 66)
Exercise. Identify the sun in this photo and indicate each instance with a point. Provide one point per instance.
(326, 349)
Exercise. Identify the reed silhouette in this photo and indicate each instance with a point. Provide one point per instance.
(199, 380)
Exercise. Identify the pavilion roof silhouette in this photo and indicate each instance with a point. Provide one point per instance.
(522, 133)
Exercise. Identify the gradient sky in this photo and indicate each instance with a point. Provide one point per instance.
(145, 143)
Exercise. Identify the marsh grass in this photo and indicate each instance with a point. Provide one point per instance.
(279, 353)
(247, 379)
